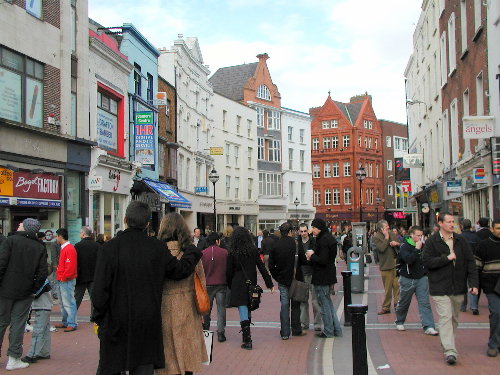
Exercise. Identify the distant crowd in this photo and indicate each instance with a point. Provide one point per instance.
(144, 288)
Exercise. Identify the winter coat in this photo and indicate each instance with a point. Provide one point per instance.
(448, 277)
(472, 239)
(386, 254)
(266, 245)
(236, 279)
(183, 339)
(410, 260)
(488, 258)
(282, 261)
(127, 296)
(23, 265)
(323, 260)
(86, 251)
(307, 267)
(483, 233)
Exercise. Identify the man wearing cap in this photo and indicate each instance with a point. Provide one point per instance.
(23, 270)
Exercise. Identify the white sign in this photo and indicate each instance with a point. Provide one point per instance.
(95, 183)
(107, 130)
(161, 98)
(413, 161)
(10, 95)
(479, 127)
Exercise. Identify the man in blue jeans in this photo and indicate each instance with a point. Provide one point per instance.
(324, 277)
(413, 280)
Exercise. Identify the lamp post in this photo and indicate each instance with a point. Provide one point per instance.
(376, 207)
(214, 177)
(296, 202)
(360, 175)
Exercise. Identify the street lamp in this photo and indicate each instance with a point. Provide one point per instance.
(296, 202)
(378, 200)
(360, 175)
(214, 177)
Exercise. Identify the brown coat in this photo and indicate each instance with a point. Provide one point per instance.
(386, 253)
(183, 338)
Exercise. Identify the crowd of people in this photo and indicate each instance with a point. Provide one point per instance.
(142, 286)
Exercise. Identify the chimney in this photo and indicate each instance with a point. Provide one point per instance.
(359, 98)
(263, 56)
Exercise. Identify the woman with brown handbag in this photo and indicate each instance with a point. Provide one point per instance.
(183, 339)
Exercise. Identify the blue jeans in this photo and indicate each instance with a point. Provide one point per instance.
(286, 303)
(68, 302)
(331, 324)
(219, 293)
(494, 307)
(419, 287)
(244, 315)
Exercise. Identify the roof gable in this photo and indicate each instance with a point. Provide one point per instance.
(230, 81)
(194, 46)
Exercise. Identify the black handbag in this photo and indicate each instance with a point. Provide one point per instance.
(299, 290)
(254, 292)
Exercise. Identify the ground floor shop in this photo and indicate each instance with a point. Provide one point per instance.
(230, 214)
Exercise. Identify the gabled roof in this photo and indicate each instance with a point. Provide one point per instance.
(229, 81)
(194, 46)
(349, 110)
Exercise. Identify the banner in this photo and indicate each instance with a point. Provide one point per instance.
(144, 138)
(31, 185)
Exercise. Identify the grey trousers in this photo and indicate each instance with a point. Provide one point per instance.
(304, 307)
(40, 338)
(14, 313)
(219, 293)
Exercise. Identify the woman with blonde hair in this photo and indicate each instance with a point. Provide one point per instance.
(183, 339)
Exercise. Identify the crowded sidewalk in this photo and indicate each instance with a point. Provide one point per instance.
(391, 351)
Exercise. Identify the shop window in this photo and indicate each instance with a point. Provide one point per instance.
(110, 127)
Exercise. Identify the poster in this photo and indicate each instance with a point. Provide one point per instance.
(10, 95)
(6, 182)
(107, 130)
(144, 138)
(34, 96)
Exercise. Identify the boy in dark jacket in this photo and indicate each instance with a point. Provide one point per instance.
(413, 280)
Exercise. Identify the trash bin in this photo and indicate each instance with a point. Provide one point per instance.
(356, 264)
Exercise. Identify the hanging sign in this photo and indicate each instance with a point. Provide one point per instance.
(479, 175)
(6, 182)
(479, 127)
(144, 138)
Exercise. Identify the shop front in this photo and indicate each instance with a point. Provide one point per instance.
(232, 213)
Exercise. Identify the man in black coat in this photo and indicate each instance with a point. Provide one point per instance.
(325, 276)
(23, 270)
(127, 295)
(473, 240)
(86, 251)
(451, 265)
(483, 232)
(199, 241)
(266, 245)
(284, 268)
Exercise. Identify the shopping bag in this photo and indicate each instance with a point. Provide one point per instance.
(299, 291)
(209, 345)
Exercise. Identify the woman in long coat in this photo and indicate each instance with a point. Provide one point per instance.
(183, 339)
(242, 262)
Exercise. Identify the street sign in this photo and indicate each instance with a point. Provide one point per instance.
(201, 189)
(216, 151)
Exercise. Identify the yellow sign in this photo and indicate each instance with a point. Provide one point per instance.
(6, 182)
(216, 151)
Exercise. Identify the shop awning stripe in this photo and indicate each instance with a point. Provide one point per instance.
(174, 198)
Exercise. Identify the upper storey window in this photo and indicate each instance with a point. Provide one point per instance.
(263, 93)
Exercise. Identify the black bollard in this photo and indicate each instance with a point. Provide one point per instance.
(346, 277)
(359, 354)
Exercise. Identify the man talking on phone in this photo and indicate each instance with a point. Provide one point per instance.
(451, 264)
(413, 280)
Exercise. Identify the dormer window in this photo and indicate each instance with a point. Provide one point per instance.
(263, 93)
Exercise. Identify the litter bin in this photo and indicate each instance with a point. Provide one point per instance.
(356, 264)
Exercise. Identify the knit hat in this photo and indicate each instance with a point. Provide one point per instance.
(320, 224)
(31, 225)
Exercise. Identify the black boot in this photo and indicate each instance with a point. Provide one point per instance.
(247, 337)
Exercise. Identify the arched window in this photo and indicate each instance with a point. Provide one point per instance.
(263, 93)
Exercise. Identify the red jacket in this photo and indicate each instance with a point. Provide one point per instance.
(66, 269)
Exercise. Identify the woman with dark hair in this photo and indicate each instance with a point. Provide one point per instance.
(183, 339)
(241, 266)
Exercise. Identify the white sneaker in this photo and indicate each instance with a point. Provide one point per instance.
(53, 329)
(28, 328)
(431, 331)
(400, 327)
(15, 364)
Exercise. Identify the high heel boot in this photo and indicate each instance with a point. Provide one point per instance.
(247, 337)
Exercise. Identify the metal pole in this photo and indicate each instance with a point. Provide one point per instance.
(346, 280)
(360, 197)
(215, 213)
(359, 357)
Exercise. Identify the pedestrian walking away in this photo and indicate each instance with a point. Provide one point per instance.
(488, 260)
(86, 251)
(23, 271)
(242, 264)
(387, 245)
(473, 239)
(129, 313)
(451, 265)
(324, 277)
(413, 280)
(214, 260)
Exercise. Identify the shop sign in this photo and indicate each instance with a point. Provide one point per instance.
(216, 151)
(206, 205)
(38, 203)
(454, 186)
(479, 175)
(144, 138)
(201, 189)
(4, 201)
(107, 130)
(161, 98)
(399, 215)
(30, 185)
(413, 161)
(495, 155)
(406, 186)
(6, 182)
(479, 127)
(95, 183)
(434, 196)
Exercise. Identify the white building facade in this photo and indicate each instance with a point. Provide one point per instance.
(237, 189)
(182, 66)
(297, 174)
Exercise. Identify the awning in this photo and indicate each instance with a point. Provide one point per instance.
(165, 190)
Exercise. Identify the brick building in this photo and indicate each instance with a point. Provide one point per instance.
(345, 137)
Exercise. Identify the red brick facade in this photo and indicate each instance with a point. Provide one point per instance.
(344, 137)
(167, 132)
(51, 96)
(51, 11)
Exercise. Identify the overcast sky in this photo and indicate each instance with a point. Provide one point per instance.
(315, 46)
